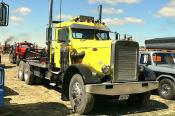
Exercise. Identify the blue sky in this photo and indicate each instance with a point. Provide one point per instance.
(143, 19)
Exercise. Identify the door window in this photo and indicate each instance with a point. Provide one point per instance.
(145, 59)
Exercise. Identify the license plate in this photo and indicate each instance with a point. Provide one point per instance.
(123, 97)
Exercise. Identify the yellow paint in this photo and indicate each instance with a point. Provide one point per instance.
(98, 58)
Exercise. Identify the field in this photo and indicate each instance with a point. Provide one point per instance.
(43, 100)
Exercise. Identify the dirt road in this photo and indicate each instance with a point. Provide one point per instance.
(42, 100)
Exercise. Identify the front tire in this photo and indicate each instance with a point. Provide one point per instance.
(29, 77)
(167, 89)
(81, 101)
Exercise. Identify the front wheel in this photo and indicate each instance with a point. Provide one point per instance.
(167, 89)
(81, 101)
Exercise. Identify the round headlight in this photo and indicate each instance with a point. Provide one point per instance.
(106, 69)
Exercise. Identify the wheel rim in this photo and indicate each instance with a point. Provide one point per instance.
(76, 95)
(26, 76)
(166, 89)
(20, 74)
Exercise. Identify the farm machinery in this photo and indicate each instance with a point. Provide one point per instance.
(84, 61)
(22, 50)
(5, 49)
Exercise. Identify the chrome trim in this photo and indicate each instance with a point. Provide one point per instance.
(121, 88)
(122, 70)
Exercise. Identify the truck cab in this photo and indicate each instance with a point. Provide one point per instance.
(163, 65)
(89, 42)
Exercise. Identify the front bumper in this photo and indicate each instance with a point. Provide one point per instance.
(121, 88)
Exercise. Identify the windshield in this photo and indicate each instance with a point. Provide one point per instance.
(90, 34)
(163, 58)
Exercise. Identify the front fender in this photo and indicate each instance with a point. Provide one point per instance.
(145, 74)
(160, 77)
(90, 76)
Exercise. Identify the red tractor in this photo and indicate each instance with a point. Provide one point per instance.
(19, 51)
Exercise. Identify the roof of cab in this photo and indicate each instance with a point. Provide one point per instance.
(83, 25)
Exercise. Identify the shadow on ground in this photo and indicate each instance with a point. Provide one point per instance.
(36, 109)
(9, 92)
(121, 108)
(9, 67)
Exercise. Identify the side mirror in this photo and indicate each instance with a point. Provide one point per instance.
(4, 14)
(117, 36)
(48, 34)
(63, 35)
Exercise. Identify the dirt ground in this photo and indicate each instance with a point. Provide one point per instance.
(43, 100)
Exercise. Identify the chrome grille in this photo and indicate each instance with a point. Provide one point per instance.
(125, 63)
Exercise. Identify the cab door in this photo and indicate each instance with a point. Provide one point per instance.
(61, 36)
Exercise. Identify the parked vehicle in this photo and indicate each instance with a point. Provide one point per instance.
(19, 51)
(162, 63)
(85, 62)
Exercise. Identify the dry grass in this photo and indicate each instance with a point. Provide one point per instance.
(39, 100)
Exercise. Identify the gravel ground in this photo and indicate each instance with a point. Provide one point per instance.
(43, 100)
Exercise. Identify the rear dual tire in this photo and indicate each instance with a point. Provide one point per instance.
(29, 77)
(25, 73)
(21, 70)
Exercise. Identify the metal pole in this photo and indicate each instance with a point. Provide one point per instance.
(49, 38)
(50, 13)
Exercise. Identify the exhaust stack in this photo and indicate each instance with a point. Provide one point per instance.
(100, 13)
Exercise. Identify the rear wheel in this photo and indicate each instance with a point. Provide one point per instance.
(167, 89)
(28, 75)
(139, 100)
(12, 58)
(21, 70)
(81, 101)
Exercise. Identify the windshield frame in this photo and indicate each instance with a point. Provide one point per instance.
(94, 34)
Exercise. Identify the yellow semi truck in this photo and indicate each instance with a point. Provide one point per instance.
(86, 63)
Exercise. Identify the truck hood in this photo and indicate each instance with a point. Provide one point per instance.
(172, 66)
(166, 68)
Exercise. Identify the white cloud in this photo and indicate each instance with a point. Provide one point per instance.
(168, 10)
(64, 17)
(113, 2)
(112, 11)
(15, 19)
(23, 10)
(126, 20)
